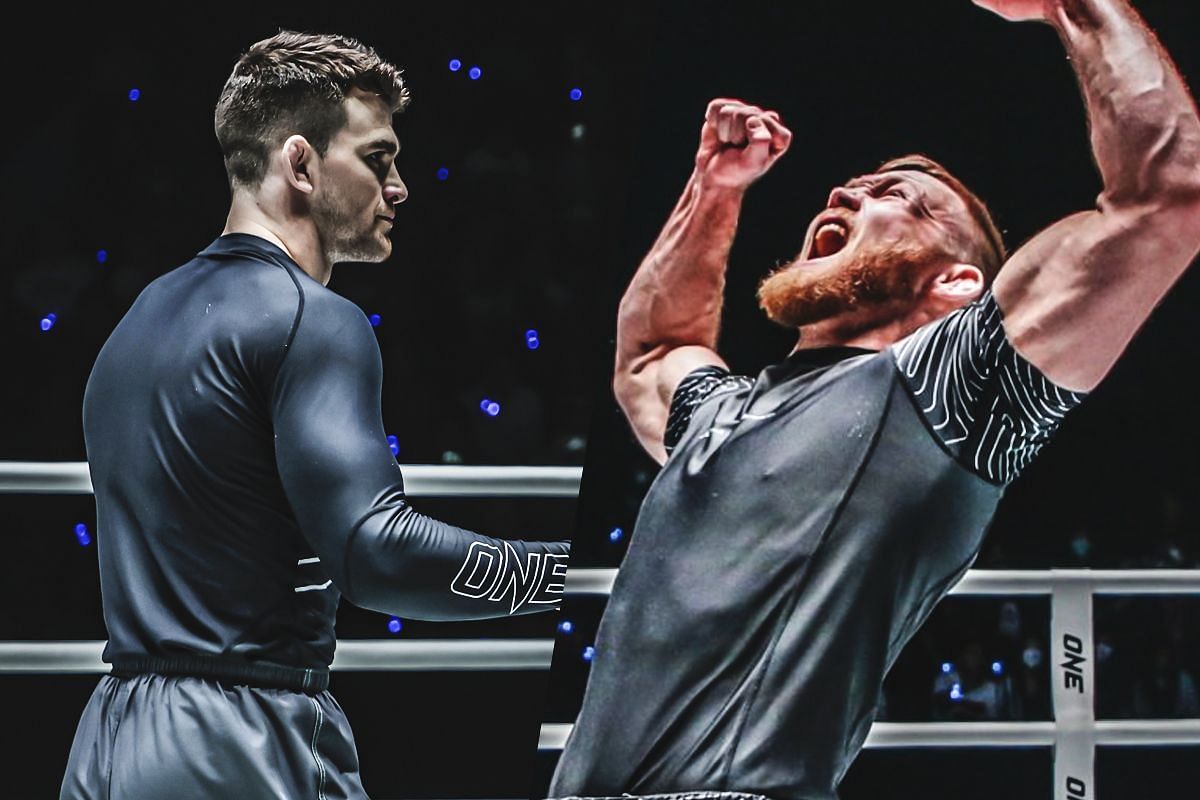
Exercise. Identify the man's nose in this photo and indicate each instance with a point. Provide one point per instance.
(395, 192)
(841, 197)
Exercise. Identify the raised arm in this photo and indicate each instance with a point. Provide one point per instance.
(1074, 296)
(345, 488)
(669, 317)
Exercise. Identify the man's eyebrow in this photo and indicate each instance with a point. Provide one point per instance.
(880, 181)
(384, 144)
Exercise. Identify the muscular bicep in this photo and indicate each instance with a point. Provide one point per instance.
(1076, 294)
(330, 447)
(644, 387)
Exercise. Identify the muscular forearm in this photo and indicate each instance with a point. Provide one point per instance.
(401, 562)
(675, 297)
(1144, 128)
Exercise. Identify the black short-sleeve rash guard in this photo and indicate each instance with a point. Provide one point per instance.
(803, 526)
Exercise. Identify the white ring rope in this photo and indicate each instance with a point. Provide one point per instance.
(352, 654)
(439, 480)
(883, 735)
(581, 581)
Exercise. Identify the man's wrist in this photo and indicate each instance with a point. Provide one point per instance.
(708, 186)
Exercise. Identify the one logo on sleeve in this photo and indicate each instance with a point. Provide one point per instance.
(499, 575)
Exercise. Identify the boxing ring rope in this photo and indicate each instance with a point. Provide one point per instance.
(80, 657)
(71, 477)
(1074, 733)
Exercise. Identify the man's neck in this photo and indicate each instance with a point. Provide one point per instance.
(824, 334)
(296, 236)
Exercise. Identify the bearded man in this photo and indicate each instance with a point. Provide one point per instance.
(807, 521)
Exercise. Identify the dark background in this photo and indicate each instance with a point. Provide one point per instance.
(524, 226)
(858, 83)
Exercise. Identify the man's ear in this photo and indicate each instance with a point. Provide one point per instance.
(299, 163)
(957, 285)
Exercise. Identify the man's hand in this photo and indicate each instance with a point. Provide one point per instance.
(1017, 10)
(738, 143)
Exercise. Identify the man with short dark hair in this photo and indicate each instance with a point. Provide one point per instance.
(807, 521)
(242, 475)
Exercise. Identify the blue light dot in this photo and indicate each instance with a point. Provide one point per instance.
(956, 692)
(134, 94)
(615, 535)
(46, 323)
(566, 626)
(474, 73)
(455, 65)
(997, 667)
(443, 173)
(492, 409)
(82, 535)
(483, 405)
(101, 256)
(395, 625)
(576, 93)
(52, 317)
(531, 339)
(375, 320)
(394, 445)
(589, 653)
(80, 529)
(947, 667)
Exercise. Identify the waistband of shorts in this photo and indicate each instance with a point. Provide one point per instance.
(693, 795)
(260, 674)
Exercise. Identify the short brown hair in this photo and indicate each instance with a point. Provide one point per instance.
(989, 246)
(294, 83)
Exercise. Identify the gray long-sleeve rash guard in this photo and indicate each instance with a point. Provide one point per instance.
(244, 481)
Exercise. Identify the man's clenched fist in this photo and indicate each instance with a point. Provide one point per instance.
(738, 143)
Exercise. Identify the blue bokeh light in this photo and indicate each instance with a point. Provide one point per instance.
(489, 407)
(956, 692)
(134, 94)
(615, 535)
(947, 667)
(443, 173)
(394, 445)
(997, 667)
(47, 322)
(576, 94)
(395, 625)
(566, 626)
(475, 73)
(589, 653)
(81, 534)
(375, 320)
(101, 256)
(532, 340)
(455, 65)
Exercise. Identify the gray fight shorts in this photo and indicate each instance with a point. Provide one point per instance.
(151, 736)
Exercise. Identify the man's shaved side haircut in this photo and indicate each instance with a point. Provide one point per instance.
(989, 251)
(294, 83)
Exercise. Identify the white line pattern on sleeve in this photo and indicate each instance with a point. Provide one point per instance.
(989, 405)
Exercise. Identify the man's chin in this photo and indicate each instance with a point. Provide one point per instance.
(793, 296)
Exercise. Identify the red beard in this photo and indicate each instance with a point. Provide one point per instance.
(793, 297)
